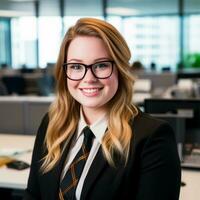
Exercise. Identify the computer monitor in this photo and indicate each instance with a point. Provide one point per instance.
(189, 109)
(188, 74)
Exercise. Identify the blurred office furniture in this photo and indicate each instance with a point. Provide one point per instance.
(11, 143)
(27, 70)
(8, 71)
(142, 89)
(190, 110)
(14, 84)
(189, 73)
(3, 90)
(191, 190)
(185, 88)
(177, 123)
(166, 69)
(39, 83)
(34, 111)
(13, 182)
(196, 89)
(142, 85)
(25, 81)
(31, 80)
(151, 84)
(11, 116)
(46, 83)
(160, 82)
(22, 115)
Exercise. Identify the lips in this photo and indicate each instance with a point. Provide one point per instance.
(90, 91)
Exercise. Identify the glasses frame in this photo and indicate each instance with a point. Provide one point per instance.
(86, 69)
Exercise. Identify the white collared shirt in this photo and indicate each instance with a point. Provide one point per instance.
(98, 128)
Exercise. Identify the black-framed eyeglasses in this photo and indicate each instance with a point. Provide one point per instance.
(77, 71)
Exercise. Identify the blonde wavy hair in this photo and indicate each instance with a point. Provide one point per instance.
(64, 112)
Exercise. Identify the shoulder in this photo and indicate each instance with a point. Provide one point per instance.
(154, 154)
(145, 126)
(154, 142)
(41, 133)
(44, 122)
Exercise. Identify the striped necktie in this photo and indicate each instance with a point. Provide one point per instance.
(70, 181)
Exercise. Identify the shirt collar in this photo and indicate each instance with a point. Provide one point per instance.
(98, 128)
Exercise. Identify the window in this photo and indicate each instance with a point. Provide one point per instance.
(192, 33)
(153, 39)
(50, 29)
(5, 47)
(23, 38)
(192, 41)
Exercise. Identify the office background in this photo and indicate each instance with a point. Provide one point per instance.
(162, 32)
(164, 38)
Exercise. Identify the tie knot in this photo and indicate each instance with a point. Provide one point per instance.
(88, 137)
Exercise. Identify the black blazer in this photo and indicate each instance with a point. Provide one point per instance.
(152, 172)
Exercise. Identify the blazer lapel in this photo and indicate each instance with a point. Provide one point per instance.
(53, 177)
(97, 166)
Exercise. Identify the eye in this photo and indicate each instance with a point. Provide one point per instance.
(75, 66)
(101, 65)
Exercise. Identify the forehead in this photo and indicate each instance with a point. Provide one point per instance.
(86, 48)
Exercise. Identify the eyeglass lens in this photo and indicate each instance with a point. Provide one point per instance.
(77, 71)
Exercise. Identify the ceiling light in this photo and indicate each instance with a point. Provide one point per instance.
(22, 0)
(11, 13)
(122, 11)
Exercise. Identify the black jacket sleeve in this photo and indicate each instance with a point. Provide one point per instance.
(32, 191)
(160, 171)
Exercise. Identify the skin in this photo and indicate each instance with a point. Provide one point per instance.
(92, 93)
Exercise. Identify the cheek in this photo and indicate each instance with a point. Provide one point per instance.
(71, 85)
(114, 81)
(115, 84)
(112, 84)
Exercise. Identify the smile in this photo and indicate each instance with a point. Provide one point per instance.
(90, 91)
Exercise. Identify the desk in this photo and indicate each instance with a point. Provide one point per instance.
(14, 179)
(191, 190)
(10, 178)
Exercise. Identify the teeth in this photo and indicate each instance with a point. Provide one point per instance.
(90, 90)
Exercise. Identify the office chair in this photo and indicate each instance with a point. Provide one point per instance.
(14, 84)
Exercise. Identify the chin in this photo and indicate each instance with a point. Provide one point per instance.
(90, 106)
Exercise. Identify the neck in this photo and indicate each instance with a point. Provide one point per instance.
(92, 115)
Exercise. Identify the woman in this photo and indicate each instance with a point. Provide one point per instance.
(132, 155)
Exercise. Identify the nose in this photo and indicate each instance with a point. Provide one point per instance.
(89, 77)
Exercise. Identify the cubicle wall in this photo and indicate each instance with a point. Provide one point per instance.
(22, 115)
(178, 125)
(158, 80)
(11, 117)
(184, 117)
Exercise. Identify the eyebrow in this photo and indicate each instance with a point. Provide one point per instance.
(96, 60)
